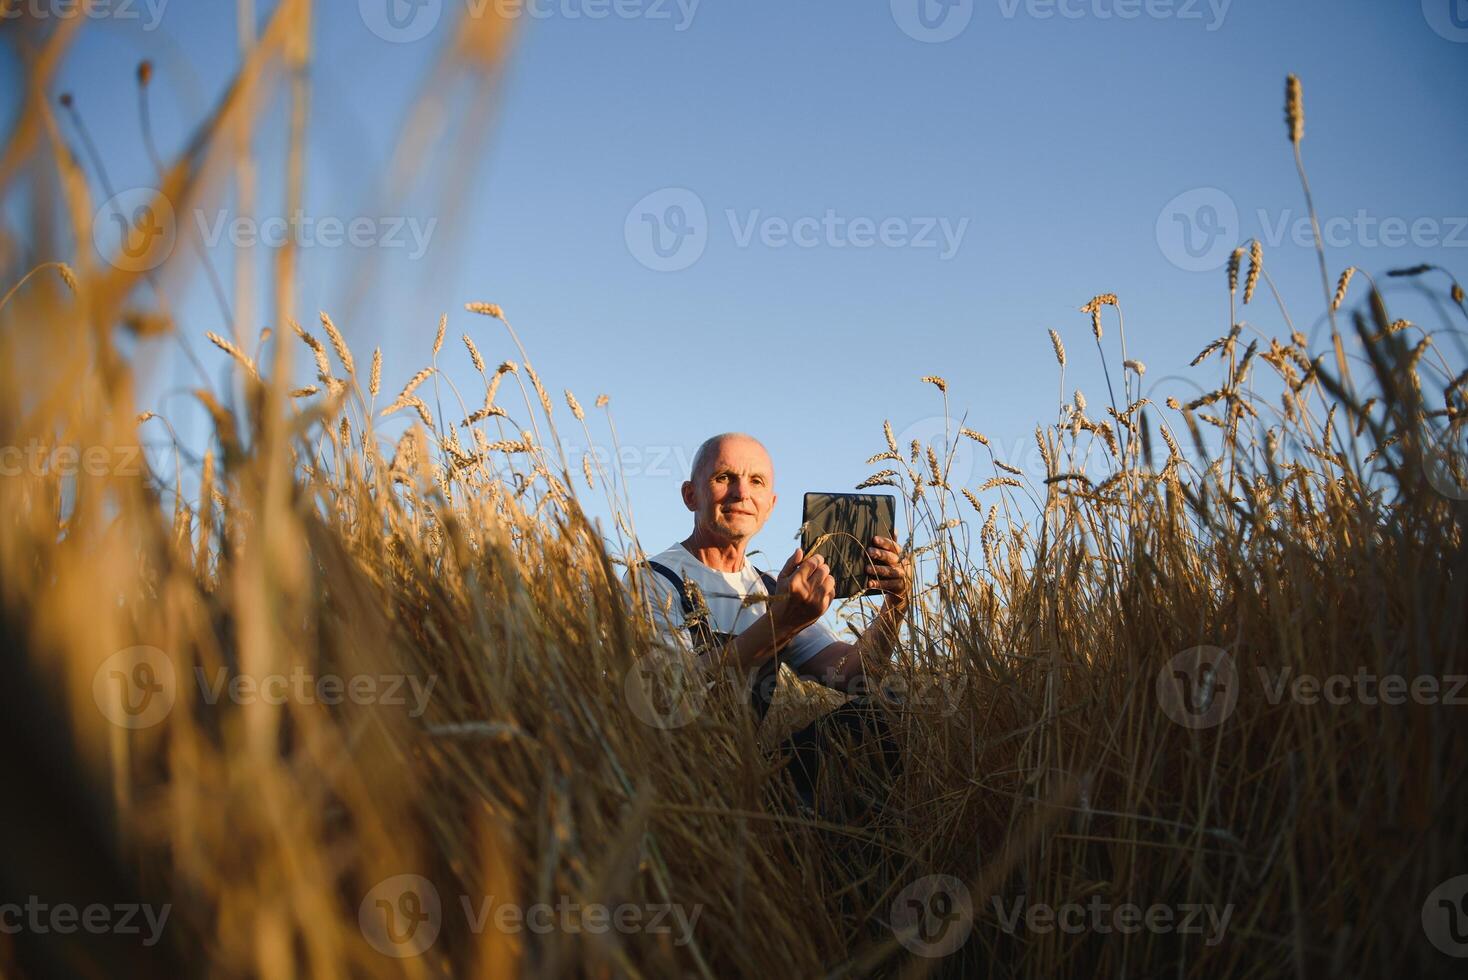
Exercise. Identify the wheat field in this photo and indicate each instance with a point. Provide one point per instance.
(1099, 711)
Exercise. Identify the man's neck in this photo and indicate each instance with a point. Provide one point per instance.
(720, 554)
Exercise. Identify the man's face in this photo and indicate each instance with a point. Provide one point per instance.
(733, 496)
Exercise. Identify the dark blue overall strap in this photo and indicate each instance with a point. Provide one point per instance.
(763, 689)
(701, 630)
(762, 692)
(677, 582)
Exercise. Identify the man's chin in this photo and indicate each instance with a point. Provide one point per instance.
(736, 532)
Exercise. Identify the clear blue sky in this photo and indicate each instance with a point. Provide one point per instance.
(1052, 136)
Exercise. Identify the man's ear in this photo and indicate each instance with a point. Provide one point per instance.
(688, 500)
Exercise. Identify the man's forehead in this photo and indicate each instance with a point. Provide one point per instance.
(741, 454)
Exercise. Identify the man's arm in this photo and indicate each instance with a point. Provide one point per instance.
(803, 591)
(857, 667)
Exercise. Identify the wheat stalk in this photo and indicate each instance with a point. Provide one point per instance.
(1341, 286)
(343, 353)
(975, 436)
(1256, 265)
(486, 309)
(233, 351)
(318, 352)
(1294, 110)
(474, 354)
(881, 477)
(1059, 348)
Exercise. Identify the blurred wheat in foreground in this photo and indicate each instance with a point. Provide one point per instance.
(1089, 665)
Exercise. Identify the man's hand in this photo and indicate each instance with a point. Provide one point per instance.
(803, 592)
(888, 570)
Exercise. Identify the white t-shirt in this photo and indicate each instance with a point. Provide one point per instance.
(724, 592)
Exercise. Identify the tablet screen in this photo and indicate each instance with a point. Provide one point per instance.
(840, 527)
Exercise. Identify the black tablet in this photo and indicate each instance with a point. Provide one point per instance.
(839, 527)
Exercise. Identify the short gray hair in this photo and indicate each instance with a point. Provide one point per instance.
(704, 457)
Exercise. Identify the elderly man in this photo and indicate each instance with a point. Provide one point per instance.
(731, 493)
